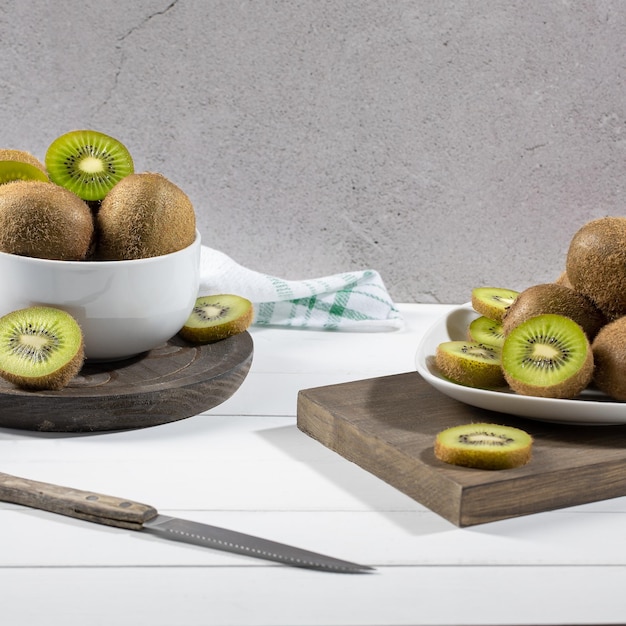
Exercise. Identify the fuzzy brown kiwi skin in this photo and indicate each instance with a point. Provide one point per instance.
(42, 220)
(144, 215)
(9, 154)
(609, 354)
(596, 264)
(217, 333)
(558, 299)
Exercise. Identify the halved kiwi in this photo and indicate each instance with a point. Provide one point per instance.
(217, 317)
(40, 348)
(469, 363)
(484, 446)
(486, 331)
(547, 356)
(44, 220)
(20, 165)
(88, 162)
(492, 302)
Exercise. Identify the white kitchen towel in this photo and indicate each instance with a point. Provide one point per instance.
(348, 301)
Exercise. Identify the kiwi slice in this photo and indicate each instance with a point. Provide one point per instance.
(144, 215)
(484, 446)
(492, 302)
(88, 162)
(609, 352)
(217, 317)
(469, 363)
(558, 299)
(44, 220)
(40, 348)
(20, 165)
(484, 330)
(547, 356)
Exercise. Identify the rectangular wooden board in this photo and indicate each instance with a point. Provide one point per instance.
(388, 425)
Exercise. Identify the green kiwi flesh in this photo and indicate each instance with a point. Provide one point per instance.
(492, 302)
(40, 348)
(217, 317)
(484, 446)
(557, 299)
(144, 215)
(44, 220)
(484, 330)
(596, 264)
(547, 356)
(469, 363)
(88, 162)
(609, 355)
(20, 165)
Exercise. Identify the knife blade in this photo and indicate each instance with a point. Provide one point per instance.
(132, 515)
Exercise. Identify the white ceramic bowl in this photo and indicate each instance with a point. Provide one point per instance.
(124, 307)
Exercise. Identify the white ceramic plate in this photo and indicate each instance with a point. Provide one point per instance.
(591, 407)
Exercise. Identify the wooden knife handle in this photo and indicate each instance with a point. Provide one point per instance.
(87, 505)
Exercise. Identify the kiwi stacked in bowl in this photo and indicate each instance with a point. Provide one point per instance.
(557, 339)
(85, 203)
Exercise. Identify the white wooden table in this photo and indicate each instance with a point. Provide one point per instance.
(246, 466)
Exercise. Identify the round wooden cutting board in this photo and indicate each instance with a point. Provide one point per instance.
(173, 382)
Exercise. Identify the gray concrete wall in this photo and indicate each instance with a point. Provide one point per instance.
(444, 143)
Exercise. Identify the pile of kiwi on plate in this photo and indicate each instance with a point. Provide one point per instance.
(552, 340)
(85, 202)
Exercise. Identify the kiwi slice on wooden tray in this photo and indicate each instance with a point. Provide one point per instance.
(548, 356)
(492, 302)
(20, 165)
(217, 317)
(40, 348)
(469, 363)
(484, 330)
(484, 446)
(88, 163)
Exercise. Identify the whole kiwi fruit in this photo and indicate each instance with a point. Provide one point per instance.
(596, 264)
(609, 354)
(43, 220)
(144, 215)
(558, 299)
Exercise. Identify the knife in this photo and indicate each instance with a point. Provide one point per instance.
(112, 511)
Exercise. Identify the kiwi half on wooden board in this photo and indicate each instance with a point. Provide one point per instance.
(217, 317)
(40, 348)
(484, 446)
